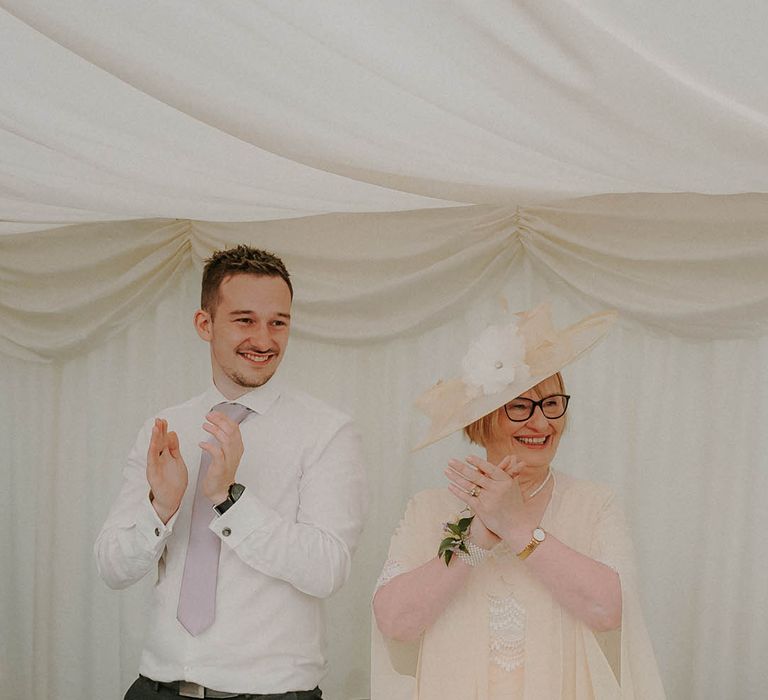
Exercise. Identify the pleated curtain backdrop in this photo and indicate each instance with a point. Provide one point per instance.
(670, 409)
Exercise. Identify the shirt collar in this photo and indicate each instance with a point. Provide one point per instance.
(258, 400)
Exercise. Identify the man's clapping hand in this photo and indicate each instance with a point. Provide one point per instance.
(226, 451)
(166, 471)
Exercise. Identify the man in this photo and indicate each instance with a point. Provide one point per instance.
(244, 554)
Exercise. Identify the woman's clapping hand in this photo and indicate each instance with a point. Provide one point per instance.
(493, 493)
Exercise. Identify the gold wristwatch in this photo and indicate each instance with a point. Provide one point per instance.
(537, 537)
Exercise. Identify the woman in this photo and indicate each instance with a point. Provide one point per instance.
(507, 598)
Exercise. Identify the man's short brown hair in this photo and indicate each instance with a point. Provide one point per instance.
(240, 260)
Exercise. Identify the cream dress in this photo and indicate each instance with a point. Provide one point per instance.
(503, 637)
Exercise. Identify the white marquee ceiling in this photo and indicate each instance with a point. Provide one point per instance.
(244, 111)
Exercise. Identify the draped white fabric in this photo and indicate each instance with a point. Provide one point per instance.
(674, 422)
(662, 259)
(262, 110)
(350, 137)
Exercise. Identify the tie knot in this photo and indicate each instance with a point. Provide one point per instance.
(235, 411)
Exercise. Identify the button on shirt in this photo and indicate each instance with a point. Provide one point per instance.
(286, 544)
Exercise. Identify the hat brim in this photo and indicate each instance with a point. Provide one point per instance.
(568, 345)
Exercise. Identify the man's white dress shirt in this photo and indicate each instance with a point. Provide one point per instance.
(286, 544)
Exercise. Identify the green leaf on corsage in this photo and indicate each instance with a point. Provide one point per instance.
(457, 532)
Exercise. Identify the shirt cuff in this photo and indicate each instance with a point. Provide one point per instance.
(151, 527)
(247, 515)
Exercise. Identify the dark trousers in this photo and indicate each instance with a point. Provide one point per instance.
(146, 689)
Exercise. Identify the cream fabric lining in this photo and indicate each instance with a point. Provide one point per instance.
(661, 260)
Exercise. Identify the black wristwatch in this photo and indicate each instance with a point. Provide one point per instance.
(235, 491)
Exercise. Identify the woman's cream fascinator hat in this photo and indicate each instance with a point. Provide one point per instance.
(503, 362)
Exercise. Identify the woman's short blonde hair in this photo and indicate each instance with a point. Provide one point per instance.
(481, 431)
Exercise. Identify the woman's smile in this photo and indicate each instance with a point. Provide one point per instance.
(533, 442)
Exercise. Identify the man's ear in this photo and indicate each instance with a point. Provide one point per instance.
(203, 322)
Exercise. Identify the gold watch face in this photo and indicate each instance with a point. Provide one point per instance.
(539, 535)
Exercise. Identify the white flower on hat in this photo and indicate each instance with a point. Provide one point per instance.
(495, 360)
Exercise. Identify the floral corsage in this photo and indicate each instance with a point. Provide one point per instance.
(456, 541)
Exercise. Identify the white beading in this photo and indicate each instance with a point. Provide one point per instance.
(507, 632)
(390, 569)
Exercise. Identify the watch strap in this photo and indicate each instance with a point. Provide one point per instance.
(235, 491)
(526, 551)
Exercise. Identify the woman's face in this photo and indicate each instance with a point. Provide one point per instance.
(535, 440)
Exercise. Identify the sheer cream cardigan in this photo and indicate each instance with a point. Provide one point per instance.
(563, 658)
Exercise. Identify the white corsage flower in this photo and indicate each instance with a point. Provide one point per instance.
(494, 360)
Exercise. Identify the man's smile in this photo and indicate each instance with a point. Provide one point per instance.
(257, 358)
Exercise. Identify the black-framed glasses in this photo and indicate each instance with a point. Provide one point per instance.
(521, 408)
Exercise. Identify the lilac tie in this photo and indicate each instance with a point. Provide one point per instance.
(197, 597)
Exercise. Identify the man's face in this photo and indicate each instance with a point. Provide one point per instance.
(248, 332)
